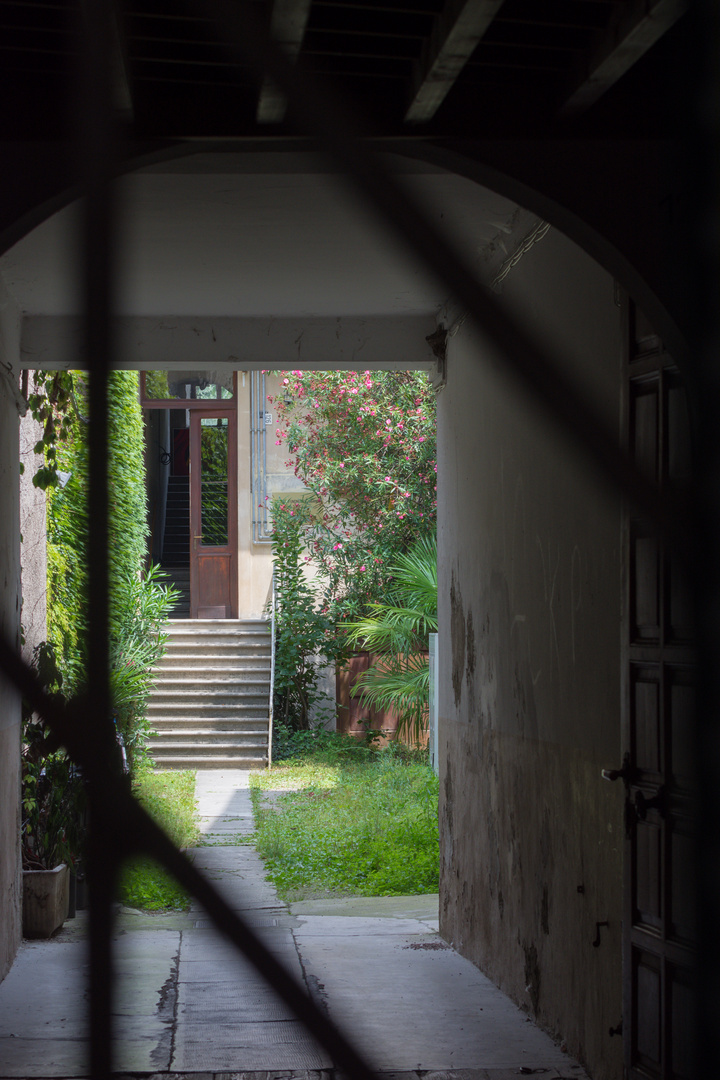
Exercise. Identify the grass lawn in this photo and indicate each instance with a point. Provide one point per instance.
(356, 823)
(170, 799)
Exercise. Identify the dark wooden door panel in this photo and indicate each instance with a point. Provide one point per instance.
(659, 926)
(213, 514)
(646, 749)
(647, 997)
(214, 586)
(646, 596)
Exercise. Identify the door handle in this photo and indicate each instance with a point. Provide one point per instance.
(619, 774)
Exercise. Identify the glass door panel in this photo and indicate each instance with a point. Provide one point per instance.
(214, 433)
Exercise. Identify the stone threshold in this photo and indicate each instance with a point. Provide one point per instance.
(572, 1072)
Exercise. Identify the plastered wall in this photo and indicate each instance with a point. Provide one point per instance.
(255, 564)
(529, 606)
(10, 873)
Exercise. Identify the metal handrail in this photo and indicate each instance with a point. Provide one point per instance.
(272, 670)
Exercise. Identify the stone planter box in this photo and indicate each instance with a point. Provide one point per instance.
(46, 898)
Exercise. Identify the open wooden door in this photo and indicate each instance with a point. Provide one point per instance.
(213, 514)
(659, 675)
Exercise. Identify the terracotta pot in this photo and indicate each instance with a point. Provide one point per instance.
(46, 898)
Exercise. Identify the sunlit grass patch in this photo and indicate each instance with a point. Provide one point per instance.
(366, 827)
(169, 797)
(295, 774)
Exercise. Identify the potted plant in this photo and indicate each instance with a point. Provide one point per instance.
(52, 815)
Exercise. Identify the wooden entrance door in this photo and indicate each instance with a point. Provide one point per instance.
(658, 713)
(213, 514)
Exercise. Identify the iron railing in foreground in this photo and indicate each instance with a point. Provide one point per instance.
(118, 825)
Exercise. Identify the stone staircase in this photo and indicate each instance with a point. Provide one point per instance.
(209, 704)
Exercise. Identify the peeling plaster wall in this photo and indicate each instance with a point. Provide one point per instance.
(10, 872)
(33, 549)
(530, 580)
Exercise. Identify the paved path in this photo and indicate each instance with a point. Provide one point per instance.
(187, 1004)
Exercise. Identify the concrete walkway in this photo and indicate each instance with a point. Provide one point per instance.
(187, 1005)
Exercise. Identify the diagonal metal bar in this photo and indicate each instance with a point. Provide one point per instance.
(130, 829)
(532, 364)
(97, 153)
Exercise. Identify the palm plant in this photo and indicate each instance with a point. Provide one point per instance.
(397, 631)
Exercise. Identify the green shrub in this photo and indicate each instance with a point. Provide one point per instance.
(139, 603)
(305, 635)
(53, 795)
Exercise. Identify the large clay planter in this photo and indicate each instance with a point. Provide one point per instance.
(46, 898)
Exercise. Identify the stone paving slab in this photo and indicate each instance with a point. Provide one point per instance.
(447, 1013)
(224, 804)
(189, 1007)
(424, 907)
(330, 926)
(230, 1004)
(43, 1006)
(283, 1045)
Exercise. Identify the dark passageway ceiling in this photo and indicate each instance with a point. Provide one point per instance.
(412, 67)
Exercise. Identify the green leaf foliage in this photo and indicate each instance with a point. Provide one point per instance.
(363, 443)
(305, 636)
(139, 602)
(53, 796)
(397, 629)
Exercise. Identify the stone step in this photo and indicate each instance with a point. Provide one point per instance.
(226, 682)
(204, 739)
(223, 643)
(255, 708)
(193, 691)
(213, 666)
(185, 761)
(203, 676)
(257, 755)
(225, 628)
(178, 637)
(170, 705)
(244, 725)
(209, 704)
(211, 653)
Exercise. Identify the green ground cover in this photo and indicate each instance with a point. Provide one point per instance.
(170, 799)
(356, 822)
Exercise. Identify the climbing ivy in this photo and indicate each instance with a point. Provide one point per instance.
(51, 404)
(139, 602)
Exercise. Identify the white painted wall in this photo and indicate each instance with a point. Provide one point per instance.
(530, 592)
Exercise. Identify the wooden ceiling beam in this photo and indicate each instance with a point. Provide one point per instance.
(635, 27)
(455, 34)
(287, 25)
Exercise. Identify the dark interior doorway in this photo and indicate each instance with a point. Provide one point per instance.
(191, 457)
